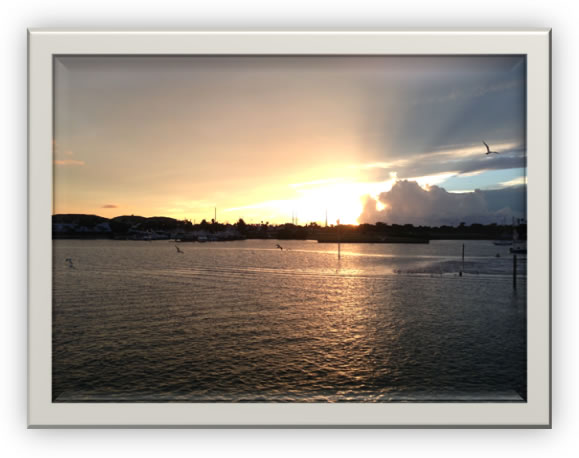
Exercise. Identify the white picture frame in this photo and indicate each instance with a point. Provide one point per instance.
(45, 44)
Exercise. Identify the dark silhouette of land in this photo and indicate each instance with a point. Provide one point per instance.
(80, 226)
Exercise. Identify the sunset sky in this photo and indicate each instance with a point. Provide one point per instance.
(393, 139)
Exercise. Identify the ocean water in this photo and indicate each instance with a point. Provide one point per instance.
(136, 321)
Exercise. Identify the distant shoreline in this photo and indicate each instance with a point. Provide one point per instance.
(92, 227)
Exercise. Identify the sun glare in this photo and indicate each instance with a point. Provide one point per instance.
(316, 201)
(340, 201)
(380, 206)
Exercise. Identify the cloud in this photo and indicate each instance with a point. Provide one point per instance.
(513, 182)
(408, 203)
(449, 102)
(56, 148)
(72, 162)
(459, 161)
(110, 206)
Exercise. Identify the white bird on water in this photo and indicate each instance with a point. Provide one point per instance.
(489, 150)
(179, 249)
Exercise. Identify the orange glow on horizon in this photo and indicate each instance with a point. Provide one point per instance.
(317, 201)
(303, 203)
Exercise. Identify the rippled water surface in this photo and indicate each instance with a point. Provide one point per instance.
(244, 321)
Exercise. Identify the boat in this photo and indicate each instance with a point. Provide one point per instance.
(503, 242)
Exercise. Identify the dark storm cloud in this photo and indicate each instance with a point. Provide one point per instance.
(441, 162)
(497, 163)
(451, 101)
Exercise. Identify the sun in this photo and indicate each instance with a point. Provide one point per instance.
(319, 201)
(339, 201)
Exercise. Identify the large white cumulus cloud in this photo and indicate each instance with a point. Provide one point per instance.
(408, 203)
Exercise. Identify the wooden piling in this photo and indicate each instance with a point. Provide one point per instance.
(514, 271)
(462, 269)
(339, 239)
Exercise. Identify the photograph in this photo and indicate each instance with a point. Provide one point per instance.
(289, 228)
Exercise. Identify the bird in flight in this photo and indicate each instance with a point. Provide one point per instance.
(489, 150)
(179, 249)
(70, 264)
(279, 246)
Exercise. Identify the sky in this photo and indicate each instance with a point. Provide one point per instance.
(361, 139)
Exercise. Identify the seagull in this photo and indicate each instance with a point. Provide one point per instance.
(279, 246)
(489, 150)
(70, 264)
(179, 249)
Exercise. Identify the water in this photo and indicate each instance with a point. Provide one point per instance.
(243, 321)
